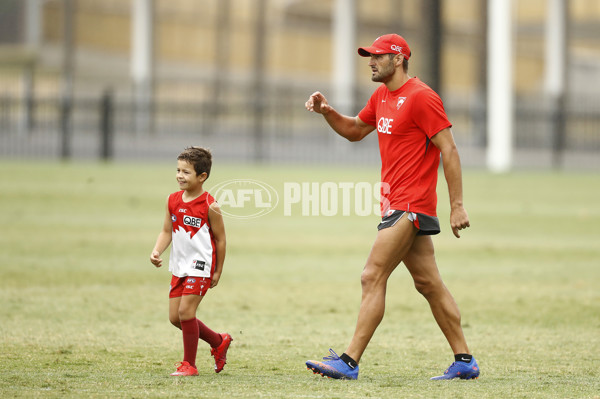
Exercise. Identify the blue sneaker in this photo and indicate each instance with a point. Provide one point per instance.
(462, 370)
(333, 367)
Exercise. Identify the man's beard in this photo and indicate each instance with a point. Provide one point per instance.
(382, 75)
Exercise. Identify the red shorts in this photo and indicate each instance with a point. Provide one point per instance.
(190, 285)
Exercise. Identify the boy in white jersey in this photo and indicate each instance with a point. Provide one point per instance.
(194, 224)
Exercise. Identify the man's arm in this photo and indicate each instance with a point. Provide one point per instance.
(351, 128)
(453, 173)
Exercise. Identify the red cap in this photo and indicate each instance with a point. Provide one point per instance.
(387, 44)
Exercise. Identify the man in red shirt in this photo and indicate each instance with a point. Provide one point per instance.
(413, 131)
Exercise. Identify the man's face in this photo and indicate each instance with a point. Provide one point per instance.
(382, 66)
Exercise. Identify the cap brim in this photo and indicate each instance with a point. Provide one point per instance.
(367, 51)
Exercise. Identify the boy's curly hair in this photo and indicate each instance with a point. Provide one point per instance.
(199, 157)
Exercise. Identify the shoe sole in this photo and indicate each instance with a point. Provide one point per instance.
(470, 376)
(315, 371)
(183, 375)
(322, 374)
(467, 377)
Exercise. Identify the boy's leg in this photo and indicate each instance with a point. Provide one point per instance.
(189, 327)
(420, 262)
(174, 311)
(390, 247)
(214, 339)
(204, 333)
(193, 329)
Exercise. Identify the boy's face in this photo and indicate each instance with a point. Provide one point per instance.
(187, 178)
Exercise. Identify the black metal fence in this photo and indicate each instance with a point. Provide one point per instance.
(279, 130)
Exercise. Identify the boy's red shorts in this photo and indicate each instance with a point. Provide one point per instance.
(181, 286)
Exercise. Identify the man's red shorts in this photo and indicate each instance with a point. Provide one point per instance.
(181, 286)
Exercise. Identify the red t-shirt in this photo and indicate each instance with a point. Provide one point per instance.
(406, 119)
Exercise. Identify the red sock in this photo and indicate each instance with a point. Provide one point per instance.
(189, 329)
(206, 334)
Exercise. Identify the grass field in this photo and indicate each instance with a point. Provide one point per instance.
(84, 314)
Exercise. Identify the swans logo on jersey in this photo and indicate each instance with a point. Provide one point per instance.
(192, 221)
(401, 101)
(385, 125)
(173, 218)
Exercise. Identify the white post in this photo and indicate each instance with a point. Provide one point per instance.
(33, 26)
(142, 58)
(555, 79)
(556, 48)
(500, 86)
(344, 54)
(33, 29)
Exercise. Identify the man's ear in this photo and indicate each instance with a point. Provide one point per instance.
(398, 60)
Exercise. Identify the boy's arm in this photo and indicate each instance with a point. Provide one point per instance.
(163, 241)
(217, 226)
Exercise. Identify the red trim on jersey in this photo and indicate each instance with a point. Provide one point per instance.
(190, 217)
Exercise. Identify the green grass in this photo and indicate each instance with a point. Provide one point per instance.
(84, 313)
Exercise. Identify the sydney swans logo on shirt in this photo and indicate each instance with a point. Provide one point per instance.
(401, 101)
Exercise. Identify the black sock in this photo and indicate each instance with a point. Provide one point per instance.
(349, 361)
(463, 357)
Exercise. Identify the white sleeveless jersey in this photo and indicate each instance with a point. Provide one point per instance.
(193, 245)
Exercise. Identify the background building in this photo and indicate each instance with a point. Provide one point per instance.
(142, 78)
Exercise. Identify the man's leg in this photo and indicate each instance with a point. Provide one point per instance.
(420, 262)
(391, 246)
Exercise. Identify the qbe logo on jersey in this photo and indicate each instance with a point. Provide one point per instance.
(245, 198)
(192, 221)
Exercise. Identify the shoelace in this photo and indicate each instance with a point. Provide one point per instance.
(179, 366)
(448, 369)
(334, 356)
